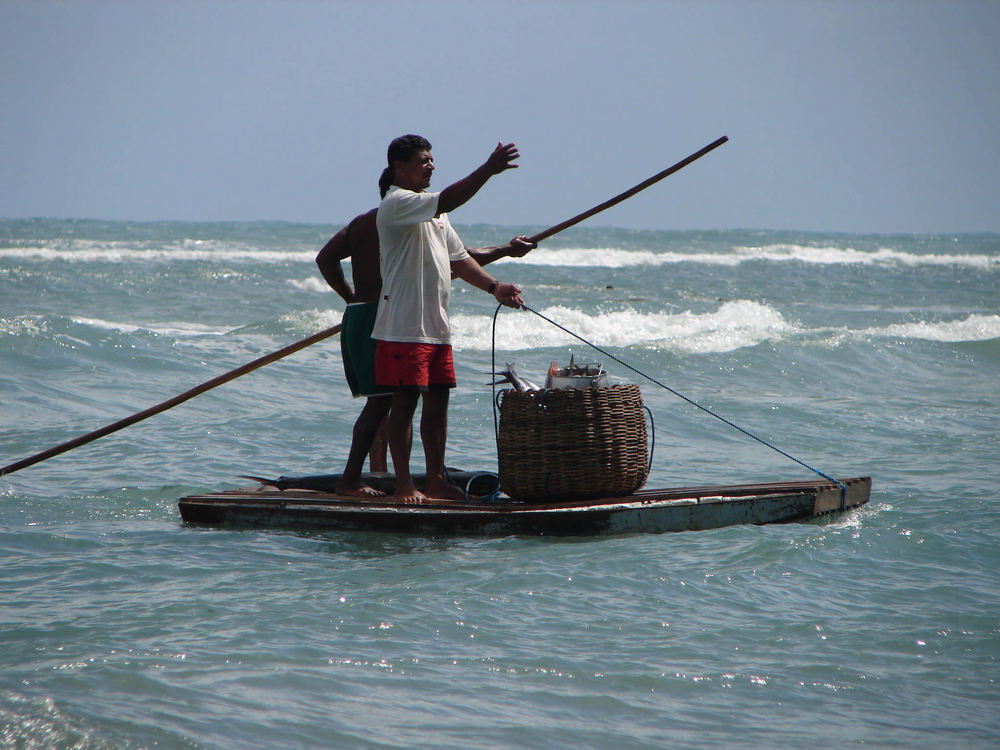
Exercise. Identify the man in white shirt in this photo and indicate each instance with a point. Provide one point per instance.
(419, 253)
(358, 240)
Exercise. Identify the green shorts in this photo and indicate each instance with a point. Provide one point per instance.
(357, 348)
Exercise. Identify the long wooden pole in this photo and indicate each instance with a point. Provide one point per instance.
(163, 406)
(628, 193)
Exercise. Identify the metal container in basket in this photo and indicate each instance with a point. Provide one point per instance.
(572, 443)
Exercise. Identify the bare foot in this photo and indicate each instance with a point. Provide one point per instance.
(410, 496)
(444, 490)
(358, 490)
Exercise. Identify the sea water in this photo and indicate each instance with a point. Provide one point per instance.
(122, 627)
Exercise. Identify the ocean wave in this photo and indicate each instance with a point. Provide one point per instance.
(734, 325)
(578, 257)
(91, 251)
(307, 322)
(175, 329)
(882, 257)
(36, 326)
(35, 721)
(780, 253)
(973, 328)
(24, 325)
(310, 284)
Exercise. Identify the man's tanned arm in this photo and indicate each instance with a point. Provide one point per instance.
(470, 271)
(502, 159)
(338, 248)
(516, 248)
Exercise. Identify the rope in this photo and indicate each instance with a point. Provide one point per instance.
(493, 380)
(843, 487)
(652, 439)
(493, 495)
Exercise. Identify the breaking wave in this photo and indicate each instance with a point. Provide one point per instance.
(92, 251)
(973, 328)
(734, 325)
(175, 329)
(617, 258)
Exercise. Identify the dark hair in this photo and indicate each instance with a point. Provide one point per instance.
(385, 181)
(400, 149)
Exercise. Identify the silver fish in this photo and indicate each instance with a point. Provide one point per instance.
(509, 375)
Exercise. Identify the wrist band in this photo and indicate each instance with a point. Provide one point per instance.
(492, 287)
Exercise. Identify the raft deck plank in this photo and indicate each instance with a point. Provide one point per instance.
(645, 511)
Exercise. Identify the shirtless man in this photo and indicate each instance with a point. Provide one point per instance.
(359, 242)
(419, 253)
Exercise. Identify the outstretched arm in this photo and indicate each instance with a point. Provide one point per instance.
(516, 248)
(503, 158)
(468, 270)
(335, 250)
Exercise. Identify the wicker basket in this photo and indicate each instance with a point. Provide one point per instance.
(572, 444)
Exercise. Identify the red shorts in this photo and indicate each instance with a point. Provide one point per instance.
(413, 366)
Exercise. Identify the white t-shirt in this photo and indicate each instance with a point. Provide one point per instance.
(416, 251)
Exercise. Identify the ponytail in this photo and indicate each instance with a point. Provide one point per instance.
(385, 181)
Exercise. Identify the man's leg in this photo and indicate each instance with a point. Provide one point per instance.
(434, 435)
(399, 428)
(358, 352)
(365, 430)
(380, 445)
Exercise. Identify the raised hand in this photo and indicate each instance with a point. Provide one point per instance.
(503, 158)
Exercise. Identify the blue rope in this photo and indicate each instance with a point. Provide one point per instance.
(843, 487)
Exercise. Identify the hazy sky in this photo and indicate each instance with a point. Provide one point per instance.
(842, 116)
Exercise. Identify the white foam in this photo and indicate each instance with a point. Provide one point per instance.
(611, 258)
(311, 321)
(91, 251)
(175, 329)
(781, 253)
(732, 326)
(972, 328)
(215, 251)
(311, 284)
(23, 325)
(849, 256)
